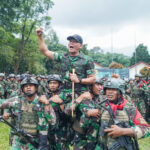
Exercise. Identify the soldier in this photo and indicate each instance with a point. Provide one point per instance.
(2, 86)
(84, 74)
(12, 85)
(138, 94)
(2, 91)
(83, 65)
(2, 79)
(29, 117)
(147, 92)
(132, 123)
(41, 87)
(130, 87)
(56, 133)
(87, 129)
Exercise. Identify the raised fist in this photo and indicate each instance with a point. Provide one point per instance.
(39, 32)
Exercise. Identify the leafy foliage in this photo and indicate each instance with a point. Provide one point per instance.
(140, 55)
(145, 71)
(115, 65)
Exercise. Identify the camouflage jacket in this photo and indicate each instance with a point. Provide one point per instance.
(138, 89)
(82, 64)
(45, 114)
(89, 125)
(128, 115)
(2, 91)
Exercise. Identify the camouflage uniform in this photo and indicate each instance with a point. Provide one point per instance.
(30, 121)
(138, 96)
(32, 117)
(2, 91)
(84, 67)
(2, 86)
(57, 133)
(127, 114)
(87, 128)
(147, 92)
(11, 87)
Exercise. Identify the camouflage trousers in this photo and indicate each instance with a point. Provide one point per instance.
(58, 139)
(87, 137)
(17, 145)
(140, 105)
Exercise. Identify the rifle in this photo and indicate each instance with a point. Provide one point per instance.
(122, 141)
(19, 132)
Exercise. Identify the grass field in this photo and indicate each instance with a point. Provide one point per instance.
(4, 138)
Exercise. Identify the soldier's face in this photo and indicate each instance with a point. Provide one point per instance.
(74, 46)
(137, 78)
(97, 88)
(131, 82)
(112, 94)
(29, 89)
(1, 78)
(53, 86)
(38, 78)
(12, 79)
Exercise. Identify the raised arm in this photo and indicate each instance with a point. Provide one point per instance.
(42, 45)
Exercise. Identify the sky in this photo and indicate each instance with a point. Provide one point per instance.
(114, 25)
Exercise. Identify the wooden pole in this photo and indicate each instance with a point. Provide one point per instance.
(73, 72)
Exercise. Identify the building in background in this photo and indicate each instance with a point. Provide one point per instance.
(135, 69)
(123, 73)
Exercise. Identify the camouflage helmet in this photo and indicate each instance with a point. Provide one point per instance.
(18, 76)
(114, 83)
(54, 77)
(98, 80)
(2, 75)
(131, 79)
(12, 75)
(138, 75)
(29, 80)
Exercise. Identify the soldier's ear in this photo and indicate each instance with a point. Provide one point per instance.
(80, 45)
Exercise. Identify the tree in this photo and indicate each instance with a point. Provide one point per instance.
(145, 71)
(140, 55)
(84, 49)
(29, 14)
(9, 13)
(97, 49)
(115, 65)
(7, 50)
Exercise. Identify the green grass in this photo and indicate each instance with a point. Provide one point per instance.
(4, 139)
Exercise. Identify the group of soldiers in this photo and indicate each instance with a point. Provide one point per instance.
(138, 92)
(75, 109)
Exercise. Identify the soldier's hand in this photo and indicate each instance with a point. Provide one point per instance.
(56, 99)
(86, 95)
(39, 32)
(93, 113)
(115, 131)
(43, 100)
(74, 78)
(128, 91)
(6, 116)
